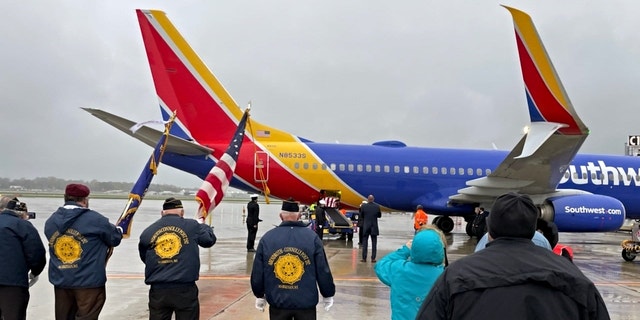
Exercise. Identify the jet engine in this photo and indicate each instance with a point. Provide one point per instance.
(584, 213)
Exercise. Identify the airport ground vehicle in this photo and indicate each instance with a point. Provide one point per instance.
(630, 248)
(335, 221)
(346, 230)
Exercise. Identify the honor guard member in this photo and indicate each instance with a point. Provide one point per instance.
(321, 217)
(23, 258)
(253, 217)
(289, 267)
(79, 239)
(169, 250)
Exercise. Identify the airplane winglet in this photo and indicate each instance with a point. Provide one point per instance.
(539, 160)
(538, 133)
(546, 97)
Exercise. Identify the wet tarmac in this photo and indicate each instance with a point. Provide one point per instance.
(225, 268)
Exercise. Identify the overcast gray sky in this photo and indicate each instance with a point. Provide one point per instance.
(428, 73)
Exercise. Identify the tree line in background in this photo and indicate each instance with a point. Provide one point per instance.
(57, 184)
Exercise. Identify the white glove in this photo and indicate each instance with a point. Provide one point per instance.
(32, 279)
(328, 303)
(260, 304)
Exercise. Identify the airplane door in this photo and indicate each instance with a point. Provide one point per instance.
(261, 166)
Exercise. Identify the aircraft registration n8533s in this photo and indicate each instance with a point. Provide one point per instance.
(580, 192)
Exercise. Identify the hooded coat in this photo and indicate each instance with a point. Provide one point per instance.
(411, 272)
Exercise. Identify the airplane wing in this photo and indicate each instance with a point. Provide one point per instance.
(540, 159)
(151, 136)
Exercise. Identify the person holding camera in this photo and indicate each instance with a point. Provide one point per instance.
(23, 258)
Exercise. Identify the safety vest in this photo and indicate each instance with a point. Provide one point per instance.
(420, 219)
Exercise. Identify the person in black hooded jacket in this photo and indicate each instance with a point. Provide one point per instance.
(512, 278)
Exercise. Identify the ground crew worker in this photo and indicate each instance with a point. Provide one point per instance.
(420, 218)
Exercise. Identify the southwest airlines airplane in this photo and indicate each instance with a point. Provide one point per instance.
(580, 192)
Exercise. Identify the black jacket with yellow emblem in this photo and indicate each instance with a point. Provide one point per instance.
(169, 250)
(78, 242)
(289, 267)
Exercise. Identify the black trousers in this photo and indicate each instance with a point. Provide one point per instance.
(251, 236)
(291, 314)
(183, 301)
(79, 303)
(319, 231)
(13, 302)
(365, 244)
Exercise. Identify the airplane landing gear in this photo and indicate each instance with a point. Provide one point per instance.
(444, 223)
(469, 228)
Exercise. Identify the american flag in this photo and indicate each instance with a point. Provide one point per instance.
(144, 180)
(331, 202)
(263, 133)
(215, 184)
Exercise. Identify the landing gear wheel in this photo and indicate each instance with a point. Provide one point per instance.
(445, 224)
(628, 255)
(435, 220)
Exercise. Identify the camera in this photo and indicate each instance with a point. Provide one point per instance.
(22, 207)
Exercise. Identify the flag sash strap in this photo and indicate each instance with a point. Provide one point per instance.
(217, 181)
(144, 180)
(265, 187)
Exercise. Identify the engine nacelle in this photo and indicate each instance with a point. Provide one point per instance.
(584, 213)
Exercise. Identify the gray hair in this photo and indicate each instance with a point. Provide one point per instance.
(4, 201)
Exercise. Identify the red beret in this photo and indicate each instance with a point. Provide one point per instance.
(77, 190)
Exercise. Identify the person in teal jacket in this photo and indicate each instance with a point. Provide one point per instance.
(411, 271)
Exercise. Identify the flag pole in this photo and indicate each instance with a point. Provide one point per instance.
(215, 184)
(144, 180)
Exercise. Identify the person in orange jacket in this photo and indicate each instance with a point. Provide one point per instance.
(420, 218)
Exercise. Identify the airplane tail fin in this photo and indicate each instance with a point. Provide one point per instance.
(205, 110)
(546, 97)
